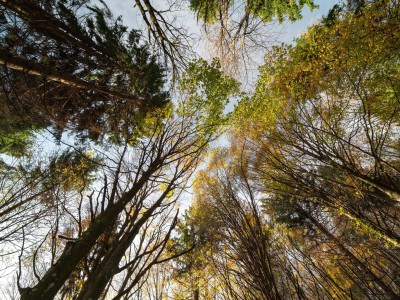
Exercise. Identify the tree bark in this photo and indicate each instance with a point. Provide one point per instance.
(56, 276)
(196, 294)
(95, 287)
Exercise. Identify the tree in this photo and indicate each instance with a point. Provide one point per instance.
(237, 31)
(166, 36)
(304, 204)
(211, 11)
(244, 250)
(121, 228)
(333, 132)
(72, 66)
(319, 136)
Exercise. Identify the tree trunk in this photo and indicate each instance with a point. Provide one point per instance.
(196, 294)
(96, 286)
(56, 276)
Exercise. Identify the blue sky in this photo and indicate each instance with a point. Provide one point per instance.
(290, 31)
(309, 18)
(285, 32)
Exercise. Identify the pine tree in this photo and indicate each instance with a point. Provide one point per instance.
(72, 66)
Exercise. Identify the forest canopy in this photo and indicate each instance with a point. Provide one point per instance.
(134, 166)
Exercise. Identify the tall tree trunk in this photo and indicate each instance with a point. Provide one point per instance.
(106, 270)
(56, 276)
(196, 294)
